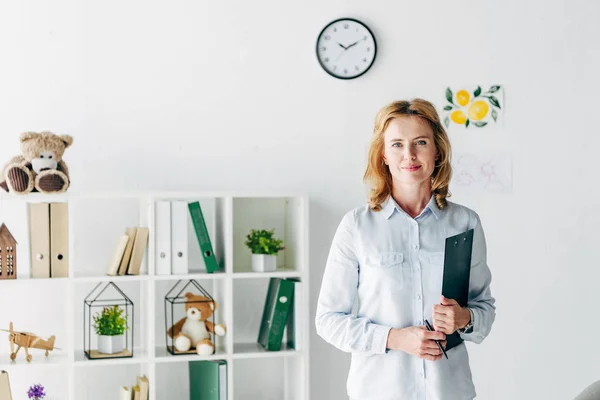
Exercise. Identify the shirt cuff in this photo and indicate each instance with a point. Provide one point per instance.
(380, 339)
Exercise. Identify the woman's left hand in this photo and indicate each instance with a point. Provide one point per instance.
(449, 316)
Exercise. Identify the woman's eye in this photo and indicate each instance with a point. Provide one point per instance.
(421, 143)
(397, 144)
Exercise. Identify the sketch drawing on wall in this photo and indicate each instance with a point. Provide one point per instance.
(473, 106)
(483, 172)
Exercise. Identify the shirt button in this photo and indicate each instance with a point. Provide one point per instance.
(416, 246)
(419, 297)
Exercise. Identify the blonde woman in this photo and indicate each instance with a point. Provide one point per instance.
(389, 254)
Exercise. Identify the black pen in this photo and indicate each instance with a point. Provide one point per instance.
(429, 328)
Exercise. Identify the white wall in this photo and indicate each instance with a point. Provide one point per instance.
(229, 95)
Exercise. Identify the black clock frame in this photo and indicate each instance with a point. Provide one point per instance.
(374, 49)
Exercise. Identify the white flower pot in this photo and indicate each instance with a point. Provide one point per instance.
(111, 344)
(264, 262)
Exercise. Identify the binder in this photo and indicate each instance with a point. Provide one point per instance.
(275, 313)
(5, 393)
(457, 272)
(130, 232)
(138, 251)
(59, 240)
(39, 233)
(208, 379)
(179, 236)
(125, 393)
(203, 238)
(162, 234)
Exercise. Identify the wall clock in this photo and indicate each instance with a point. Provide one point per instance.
(346, 48)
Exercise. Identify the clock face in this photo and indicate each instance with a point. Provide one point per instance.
(346, 48)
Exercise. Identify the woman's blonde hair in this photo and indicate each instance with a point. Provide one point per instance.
(378, 174)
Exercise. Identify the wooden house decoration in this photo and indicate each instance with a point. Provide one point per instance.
(8, 254)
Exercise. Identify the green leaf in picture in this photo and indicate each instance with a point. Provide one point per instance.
(467, 123)
(477, 91)
(494, 114)
(447, 121)
(494, 89)
(449, 95)
(480, 124)
(494, 101)
(448, 108)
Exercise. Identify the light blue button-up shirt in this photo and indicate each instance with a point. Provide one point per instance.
(393, 265)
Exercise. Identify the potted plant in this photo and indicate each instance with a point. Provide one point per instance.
(110, 325)
(264, 248)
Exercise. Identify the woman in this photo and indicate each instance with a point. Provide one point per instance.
(389, 256)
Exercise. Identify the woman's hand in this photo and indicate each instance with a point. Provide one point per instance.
(449, 316)
(418, 341)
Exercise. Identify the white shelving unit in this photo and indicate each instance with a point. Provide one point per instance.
(54, 306)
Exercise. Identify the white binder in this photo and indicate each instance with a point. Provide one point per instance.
(179, 229)
(162, 235)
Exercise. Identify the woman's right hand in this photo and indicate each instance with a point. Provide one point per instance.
(418, 341)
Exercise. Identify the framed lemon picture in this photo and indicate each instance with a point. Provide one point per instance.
(474, 106)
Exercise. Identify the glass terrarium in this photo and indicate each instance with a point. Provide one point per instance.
(108, 323)
(188, 328)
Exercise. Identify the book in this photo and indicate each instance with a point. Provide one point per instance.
(5, 393)
(275, 313)
(138, 251)
(130, 232)
(208, 379)
(203, 238)
(125, 393)
(142, 382)
(115, 261)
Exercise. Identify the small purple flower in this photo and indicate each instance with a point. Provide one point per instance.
(36, 392)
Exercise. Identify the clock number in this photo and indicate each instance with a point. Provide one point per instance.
(334, 67)
(345, 71)
(323, 48)
(364, 60)
(368, 49)
(356, 67)
(365, 38)
(335, 29)
(327, 37)
(327, 59)
(346, 26)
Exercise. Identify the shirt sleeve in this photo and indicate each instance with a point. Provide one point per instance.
(481, 304)
(334, 320)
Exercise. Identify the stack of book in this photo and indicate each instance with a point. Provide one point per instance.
(139, 391)
(129, 253)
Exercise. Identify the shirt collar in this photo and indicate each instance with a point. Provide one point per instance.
(390, 206)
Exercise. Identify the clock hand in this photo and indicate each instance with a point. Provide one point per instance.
(353, 44)
(342, 46)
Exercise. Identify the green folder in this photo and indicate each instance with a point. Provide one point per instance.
(203, 238)
(208, 380)
(275, 314)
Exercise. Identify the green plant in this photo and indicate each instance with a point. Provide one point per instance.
(261, 241)
(110, 322)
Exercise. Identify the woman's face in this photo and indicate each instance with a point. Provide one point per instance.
(409, 151)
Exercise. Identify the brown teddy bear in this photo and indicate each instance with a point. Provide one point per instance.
(40, 167)
(193, 331)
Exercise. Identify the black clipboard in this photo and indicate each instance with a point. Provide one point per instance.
(457, 272)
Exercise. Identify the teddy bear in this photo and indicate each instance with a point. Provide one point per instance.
(193, 331)
(40, 167)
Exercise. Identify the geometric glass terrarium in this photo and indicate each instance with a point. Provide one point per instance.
(108, 323)
(177, 312)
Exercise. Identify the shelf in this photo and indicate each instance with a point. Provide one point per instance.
(254, 350)
(281, 272)
(108, 278)
(139, 356)
(163, 356)
(55, 358)
(199, 275)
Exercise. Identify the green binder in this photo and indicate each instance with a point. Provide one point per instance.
(208, 380)
(202, 235)
(275, 314)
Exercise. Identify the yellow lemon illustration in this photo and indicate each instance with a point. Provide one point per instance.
(463, 97)
(459, 117)
(478, 110)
